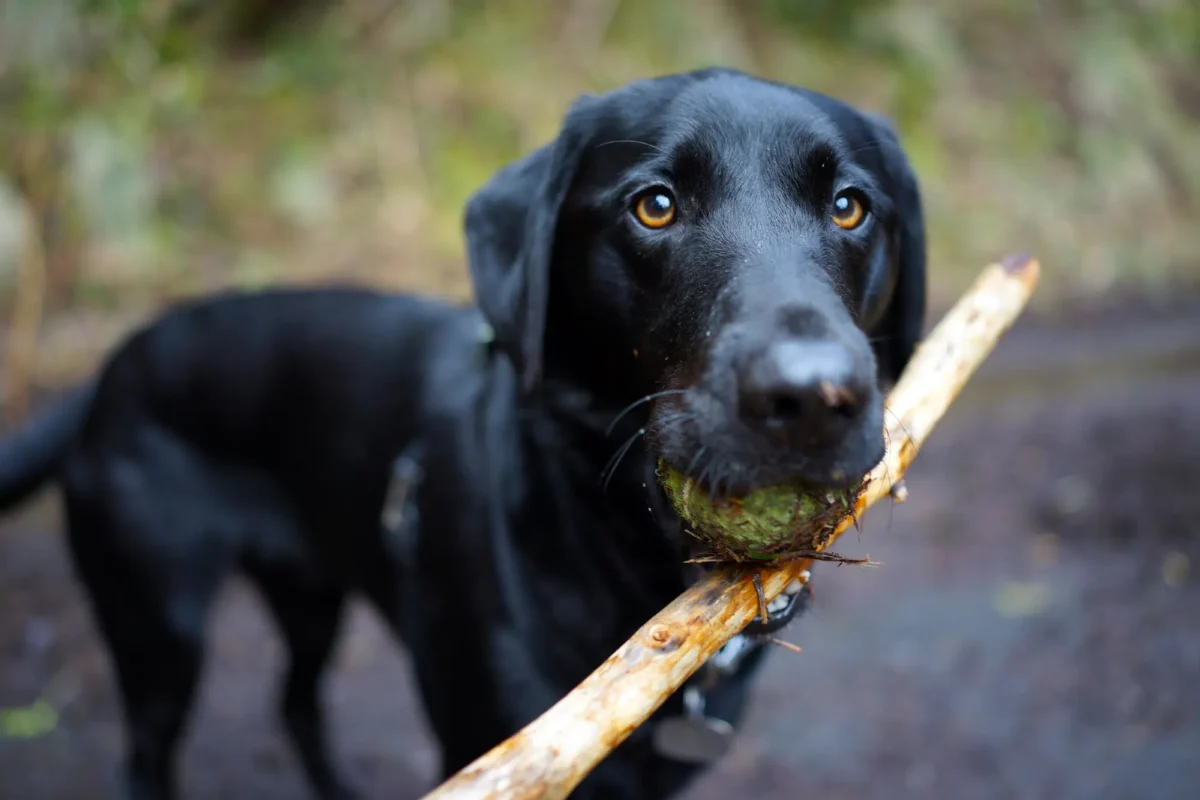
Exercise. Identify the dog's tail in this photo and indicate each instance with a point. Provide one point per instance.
(30, 456)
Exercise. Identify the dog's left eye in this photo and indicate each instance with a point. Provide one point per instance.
(654, 208)
(848, 211)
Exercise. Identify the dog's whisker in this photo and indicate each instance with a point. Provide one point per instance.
(695, 459)
(667, 420)
(658, 428)
(898, 421)
(703, 476)
(655, 148)
(719, 477)
(611, 468)
(874, 144)
(654, 396)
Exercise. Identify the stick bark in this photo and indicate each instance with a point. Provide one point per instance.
(550, 756)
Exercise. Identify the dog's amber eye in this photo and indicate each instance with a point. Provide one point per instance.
(655, 208)
(848, 211)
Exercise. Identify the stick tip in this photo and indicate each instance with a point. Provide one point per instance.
(1018, 262)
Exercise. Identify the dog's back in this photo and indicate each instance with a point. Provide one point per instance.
(259, 376)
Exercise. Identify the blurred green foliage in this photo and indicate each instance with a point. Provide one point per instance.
(164, 147)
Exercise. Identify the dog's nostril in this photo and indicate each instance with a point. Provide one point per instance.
(790, 404)
(841, 400)
(835, 396)
(786, 408)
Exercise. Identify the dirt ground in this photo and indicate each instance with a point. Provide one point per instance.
(1033, 630)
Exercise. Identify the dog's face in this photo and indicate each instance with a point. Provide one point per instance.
(748, 255)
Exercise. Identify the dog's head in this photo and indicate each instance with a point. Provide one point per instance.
(749, 255)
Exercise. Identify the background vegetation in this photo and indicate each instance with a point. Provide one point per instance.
(1033, 630)
(155, 148)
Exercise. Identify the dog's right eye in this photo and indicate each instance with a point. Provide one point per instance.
(654, 208)
(848, 211)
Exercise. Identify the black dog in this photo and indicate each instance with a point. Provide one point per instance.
(707, 268)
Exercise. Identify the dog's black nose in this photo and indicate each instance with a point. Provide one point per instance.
(808, 390)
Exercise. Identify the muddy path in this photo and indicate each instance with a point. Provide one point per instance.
(1033, 630)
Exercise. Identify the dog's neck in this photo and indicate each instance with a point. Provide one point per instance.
(611, 469)
(612, 521)
(637, 549)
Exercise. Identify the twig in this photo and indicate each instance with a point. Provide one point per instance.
(551, 755)
(795, 648)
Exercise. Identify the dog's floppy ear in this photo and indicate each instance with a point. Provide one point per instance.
(904, 320)
(510, 230)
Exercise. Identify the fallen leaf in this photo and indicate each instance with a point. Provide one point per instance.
(1175, 568)
(28, 722)
(1021, 599)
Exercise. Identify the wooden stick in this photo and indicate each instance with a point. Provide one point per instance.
(551, 755)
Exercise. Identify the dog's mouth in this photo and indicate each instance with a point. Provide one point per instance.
(701, 440)
(746, 476)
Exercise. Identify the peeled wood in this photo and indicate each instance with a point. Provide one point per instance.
(550, 756)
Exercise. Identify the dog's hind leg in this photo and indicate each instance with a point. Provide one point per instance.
(308, 610)
(153, 623)
(151, 548)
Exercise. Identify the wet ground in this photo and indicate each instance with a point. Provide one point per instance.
(1033, 630)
